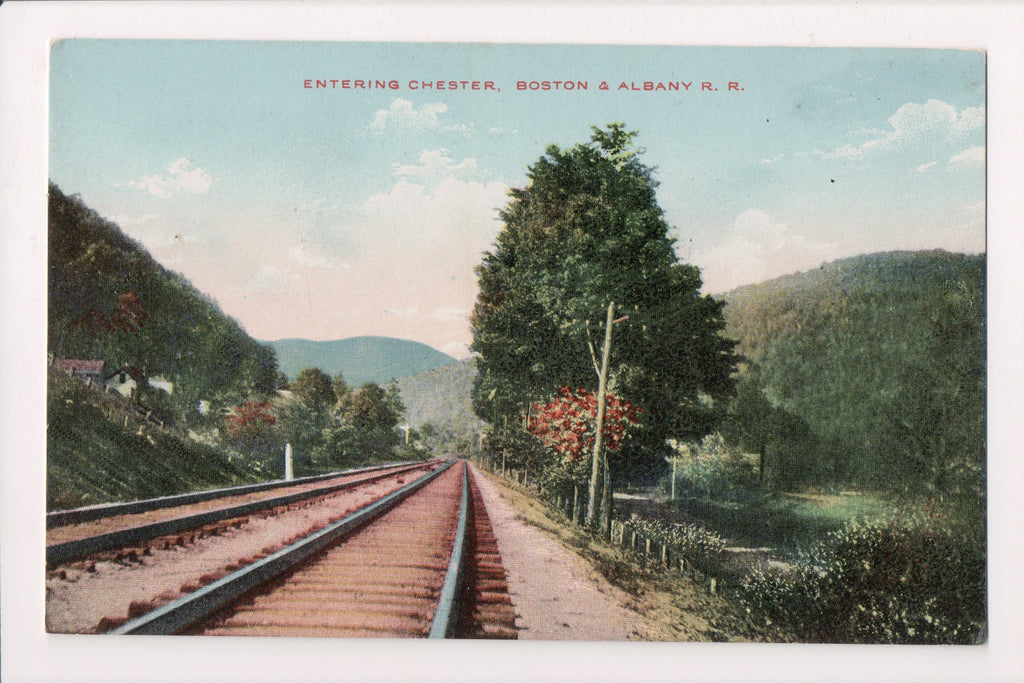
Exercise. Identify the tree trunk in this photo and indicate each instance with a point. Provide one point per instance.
(606, 500)
(602, 384)
(760, 467)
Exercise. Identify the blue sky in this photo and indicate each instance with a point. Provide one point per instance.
(329, 213)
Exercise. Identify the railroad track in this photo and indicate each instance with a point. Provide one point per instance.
(419, 562)
(84, 532)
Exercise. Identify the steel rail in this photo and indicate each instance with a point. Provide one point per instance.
(101, 510)
(68, 551)
(189, 609)
(447, 611)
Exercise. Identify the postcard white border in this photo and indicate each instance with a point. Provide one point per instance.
(26, 30)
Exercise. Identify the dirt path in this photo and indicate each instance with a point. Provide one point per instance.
(557, 595)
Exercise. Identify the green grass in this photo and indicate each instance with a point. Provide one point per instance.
(92, 458)
(786, 521)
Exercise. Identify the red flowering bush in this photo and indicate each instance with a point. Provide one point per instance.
(249, 425)
(568, 422)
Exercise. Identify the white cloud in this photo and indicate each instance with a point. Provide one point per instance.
(454, 216)
(180, 176)
(402, 115)
(448, 313)
(305, 256)
(924, 167)
(271, 278)
(757, 247)
(916, 123)
(411, 312)
(973, 156)
(435, 164)
(126, 221)
(768, 162)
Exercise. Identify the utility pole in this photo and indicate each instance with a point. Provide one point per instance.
(602, 385)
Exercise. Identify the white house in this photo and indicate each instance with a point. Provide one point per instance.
(126, 380)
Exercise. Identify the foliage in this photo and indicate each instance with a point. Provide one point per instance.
(700, 546)
(872, 368)
(315, 388)
(359, 428)
(715, 470)
(374, 416)
(907, 580)
(586, 231)
(109, 299)
(568, 422)
(249, 425)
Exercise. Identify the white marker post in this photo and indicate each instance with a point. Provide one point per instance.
(288, 474)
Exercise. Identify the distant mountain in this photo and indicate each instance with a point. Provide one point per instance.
(358, 359)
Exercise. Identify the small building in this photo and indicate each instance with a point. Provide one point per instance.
(126, 380)
(91, 370)
(162, 383)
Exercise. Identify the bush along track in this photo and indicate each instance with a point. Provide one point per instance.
(902, 581)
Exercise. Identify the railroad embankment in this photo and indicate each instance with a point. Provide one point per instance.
(568, 584)
(98, 450)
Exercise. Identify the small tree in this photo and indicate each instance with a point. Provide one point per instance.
(314, 388)
(250, 428)
(374, 421)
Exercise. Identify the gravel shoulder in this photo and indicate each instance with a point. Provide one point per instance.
(566, 585)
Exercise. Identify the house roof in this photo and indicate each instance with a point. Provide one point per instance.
(132, 371)
(92, 367)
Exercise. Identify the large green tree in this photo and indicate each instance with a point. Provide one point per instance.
(587, 231)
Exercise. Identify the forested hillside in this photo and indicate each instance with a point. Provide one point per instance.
(108, 299)
(442, 399)
(869, 370)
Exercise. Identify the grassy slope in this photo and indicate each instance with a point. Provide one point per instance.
(92, 458)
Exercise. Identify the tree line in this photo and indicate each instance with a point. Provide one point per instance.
(328, 425)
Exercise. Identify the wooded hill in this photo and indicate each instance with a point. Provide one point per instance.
(442, 398)
(868, 370)
(108, 299)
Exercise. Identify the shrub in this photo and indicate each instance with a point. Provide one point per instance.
(698, 545)
(902, 581)
(715, 472)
